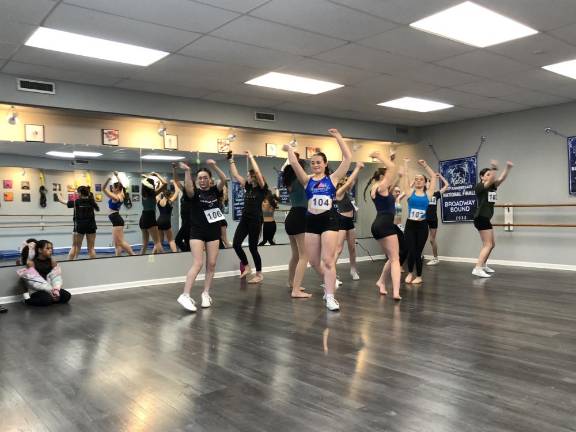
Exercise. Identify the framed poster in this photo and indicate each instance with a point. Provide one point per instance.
(7, 184)
(223, 146)
(8, 196)
(25, 185)
(572, 165)
(110, 137)
(311, 151)
(25, 197)
(170, 142)
(34, 133)
(237, 200)
(271, 149)
(459, 203)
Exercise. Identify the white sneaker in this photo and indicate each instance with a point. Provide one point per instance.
(488, 270)
(332, 304)
(206, 300)
(187, 302)
(480, 272)
(434, 261)
(355, 275)
(338, 282)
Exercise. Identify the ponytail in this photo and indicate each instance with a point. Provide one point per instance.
(379, 172)
(27, 251)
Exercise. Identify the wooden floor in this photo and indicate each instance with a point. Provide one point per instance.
(458, 354)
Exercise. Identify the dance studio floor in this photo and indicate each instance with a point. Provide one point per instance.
(458, 354)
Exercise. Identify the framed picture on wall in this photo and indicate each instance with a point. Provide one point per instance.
(8, 196)
(271, 149)
(311, 151)
(110, 137)
(7, 184)
(135, 197)
(25, 185)
(223, 145)
(34, 133)
(25, 197)
(98, 197)
(170, 142)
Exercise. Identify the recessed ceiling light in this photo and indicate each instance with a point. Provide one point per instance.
(66, 155)
(415, 104)
(567, 68)
(87, 46)
(474, 25)
(72, 155)
(293, 83)
(162, 157)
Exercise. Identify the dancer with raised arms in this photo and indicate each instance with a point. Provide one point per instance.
(432, 217)
(115, 200)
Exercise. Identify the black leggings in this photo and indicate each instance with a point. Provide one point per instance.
(251, 228)
(43, 298)
(403, 250)
(415, 235)
(268, 231)
(183, 237)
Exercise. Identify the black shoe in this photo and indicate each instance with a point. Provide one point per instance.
(3, 309)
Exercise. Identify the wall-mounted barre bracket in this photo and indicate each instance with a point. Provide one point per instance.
(509, 218)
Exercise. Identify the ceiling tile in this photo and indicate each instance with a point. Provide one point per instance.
(6, 50)
(174, 90)
(538, 14)
(409, 42)
(537, 50)
(390, 86)
(74, 63)
(439, 76)
(80, 20)
(182, 14)
(567, 34)
(497, 105)
(369, 59)
(14, 33)
(537, 79)
(532, 98)
(454, 97)
(400, 11)
(488, 88)
(25, 11)
(328, 71)
(270, 35)
(241, 6)
(484, 63)
(60, 74)
(321, 16)
(228, 51)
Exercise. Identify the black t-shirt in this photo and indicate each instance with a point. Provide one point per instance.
(431, 212)
(201, 201)
(185, 204)
(485, 200)
(83, 209)
(253, 197)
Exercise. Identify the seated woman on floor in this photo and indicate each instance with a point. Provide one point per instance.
(42, 275)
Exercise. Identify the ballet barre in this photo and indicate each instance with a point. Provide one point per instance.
(509, 216)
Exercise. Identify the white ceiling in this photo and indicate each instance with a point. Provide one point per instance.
(217, 45)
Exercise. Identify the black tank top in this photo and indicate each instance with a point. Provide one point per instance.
(385, 204)
(344, 205)
(166, 210)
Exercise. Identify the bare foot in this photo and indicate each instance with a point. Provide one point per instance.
(256, 279)
(300, 294)
(409, 278)
(381, 288)
(246, 272)
(417, 281)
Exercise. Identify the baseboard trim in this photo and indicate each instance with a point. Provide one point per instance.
(508, 263)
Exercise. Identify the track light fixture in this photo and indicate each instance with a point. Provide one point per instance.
(12, 117)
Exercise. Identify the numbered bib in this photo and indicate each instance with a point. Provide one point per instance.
(320, 202)
(433, 200)
(214, 215)
(354, 205)
(492, 197)
(416, 214)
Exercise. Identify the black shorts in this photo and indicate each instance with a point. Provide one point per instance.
(346, 223)
(383, 226)
(147, 219)
(206, 233)
(164, 223)
(432, 223)
(85, 227)
(482, 223)
(116, 219)
(320, 223)
(224, 223)
(295, 222)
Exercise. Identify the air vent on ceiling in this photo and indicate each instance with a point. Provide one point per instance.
(263, 116)
(80, 162)
(402, 131)
(36, 86)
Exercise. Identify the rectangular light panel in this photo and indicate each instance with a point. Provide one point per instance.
(567, 68)
(162, 157)
(87, 46)
(293, 83)
(415, 104)
(72, 155)
(474, 25)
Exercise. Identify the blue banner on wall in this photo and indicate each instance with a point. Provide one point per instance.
(572, 165)
(459, 202)
(237, 200)
(283, 190)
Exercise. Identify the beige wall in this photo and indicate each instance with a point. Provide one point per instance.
(72, 127)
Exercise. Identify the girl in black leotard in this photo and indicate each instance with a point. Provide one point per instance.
(164, 201)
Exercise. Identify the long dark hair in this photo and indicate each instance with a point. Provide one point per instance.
(272, 200)
(204, 169)
(379, 172)
(25, 253)
(289, 175)
(483, 171)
